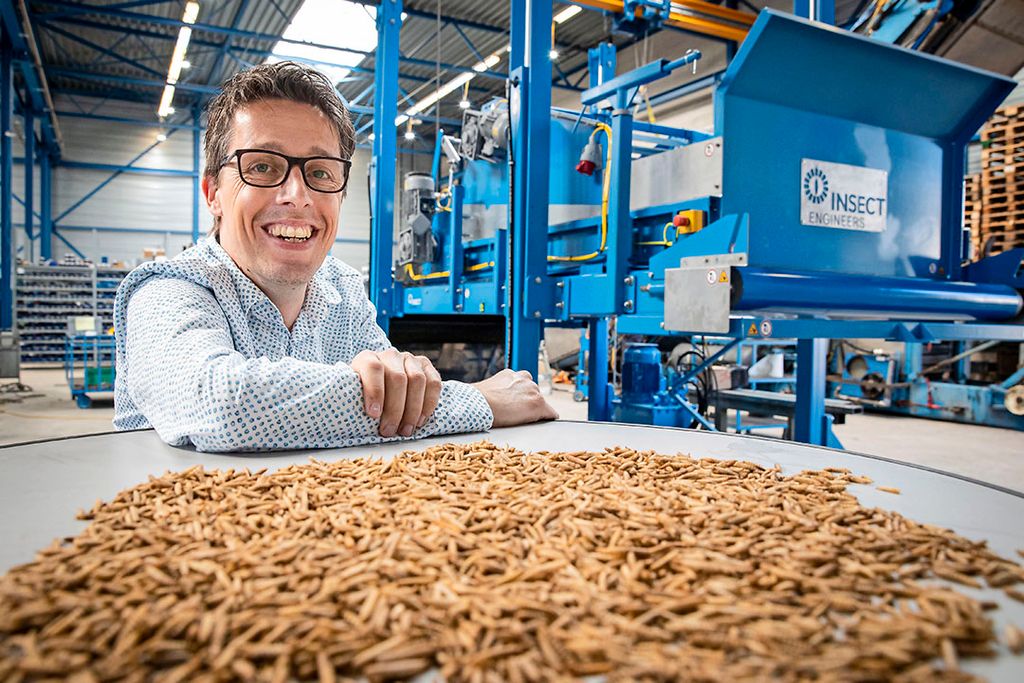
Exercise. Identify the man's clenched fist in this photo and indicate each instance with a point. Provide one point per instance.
(399, 388)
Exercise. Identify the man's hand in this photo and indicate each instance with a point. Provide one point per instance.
(515, 399)
(399, 388)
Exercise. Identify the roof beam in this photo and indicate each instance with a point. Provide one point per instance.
(100, 49)
(215, 69)
(30, 64)
(127, 80)
(119, 5)
(142, 33)
(125, 120)
(103, 11)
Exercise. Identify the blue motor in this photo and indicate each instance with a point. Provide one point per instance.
(644, 398)
(642, 380)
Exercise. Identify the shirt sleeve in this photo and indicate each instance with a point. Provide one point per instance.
(185, 376)
(456, 397)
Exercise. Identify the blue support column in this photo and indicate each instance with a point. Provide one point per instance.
(6, 190)
(601, 64)
(620, 225)
(455, 258)
(195, 178)
(809, 420)
(30, 172)
(45, 206)
(816, 10)
(385, 154)
(598, 405)
(530, 292)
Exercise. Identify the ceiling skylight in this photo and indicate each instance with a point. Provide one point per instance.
(329, 22)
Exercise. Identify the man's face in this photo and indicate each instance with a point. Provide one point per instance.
(252, 218)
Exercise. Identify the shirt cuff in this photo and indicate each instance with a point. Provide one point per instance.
(461, 408)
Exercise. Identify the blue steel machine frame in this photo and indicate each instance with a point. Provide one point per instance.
(769, 274)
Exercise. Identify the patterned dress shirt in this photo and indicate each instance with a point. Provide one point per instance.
(204, 357)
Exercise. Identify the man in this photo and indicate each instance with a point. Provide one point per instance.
(256, 338)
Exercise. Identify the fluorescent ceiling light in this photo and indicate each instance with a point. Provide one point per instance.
(451, 86)
(166, 98)
(191, 12)
(567, 14)
(489, 62)
(178, 58)
(445, 89)
(317, 21)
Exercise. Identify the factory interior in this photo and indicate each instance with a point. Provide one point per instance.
(622, 340)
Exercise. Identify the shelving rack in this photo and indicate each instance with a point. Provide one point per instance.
(47, 295)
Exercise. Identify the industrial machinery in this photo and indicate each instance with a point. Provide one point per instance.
(658, 396)
(808, 214)
(452, 239)
(416, 241)
(905, 382)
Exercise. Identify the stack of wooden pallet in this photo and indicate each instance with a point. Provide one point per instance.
(972, 210)
(1002, 184)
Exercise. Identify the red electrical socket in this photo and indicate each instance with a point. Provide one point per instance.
(586, 167)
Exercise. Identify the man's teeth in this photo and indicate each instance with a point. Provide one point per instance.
(290, 231)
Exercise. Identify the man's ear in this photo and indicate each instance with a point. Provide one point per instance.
(211, 196)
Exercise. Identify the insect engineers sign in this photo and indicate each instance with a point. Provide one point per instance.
(843, 196)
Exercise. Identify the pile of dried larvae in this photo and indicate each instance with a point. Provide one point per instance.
(494, 565)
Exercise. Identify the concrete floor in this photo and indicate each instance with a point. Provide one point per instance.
(983, 453)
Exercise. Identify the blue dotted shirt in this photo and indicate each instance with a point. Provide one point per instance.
(204, 357)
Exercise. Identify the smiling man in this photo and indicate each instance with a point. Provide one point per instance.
(258, 339)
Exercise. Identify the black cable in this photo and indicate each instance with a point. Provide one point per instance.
(701, 383)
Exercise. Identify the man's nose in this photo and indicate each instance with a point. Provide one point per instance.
(294, 190)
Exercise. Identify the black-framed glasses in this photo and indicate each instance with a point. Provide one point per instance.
(264, 168)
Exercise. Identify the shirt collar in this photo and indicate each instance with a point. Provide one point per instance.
(321, 293)
(248, 293)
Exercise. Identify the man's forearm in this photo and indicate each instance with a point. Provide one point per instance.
(233, 404)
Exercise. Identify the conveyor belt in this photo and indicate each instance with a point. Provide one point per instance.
(43, 484)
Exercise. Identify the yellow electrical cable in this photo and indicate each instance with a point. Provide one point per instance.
(664, 237)
(879, 5)
(413, 275)
(605, 192)
(430, 276)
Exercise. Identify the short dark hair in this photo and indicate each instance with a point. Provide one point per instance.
(284, 81)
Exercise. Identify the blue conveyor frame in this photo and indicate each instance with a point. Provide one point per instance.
(617, 285)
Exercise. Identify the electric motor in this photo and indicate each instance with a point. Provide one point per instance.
(416, 243)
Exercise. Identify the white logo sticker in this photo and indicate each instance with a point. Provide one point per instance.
(843, 196)
(712, 277)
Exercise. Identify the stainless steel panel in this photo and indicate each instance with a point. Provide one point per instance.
(697, 299)
(678, 175)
